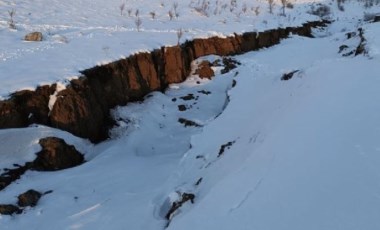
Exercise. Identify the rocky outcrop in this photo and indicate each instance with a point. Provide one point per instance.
(56, 155)
(83, 107)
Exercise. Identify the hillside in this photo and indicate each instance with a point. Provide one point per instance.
(289, 139)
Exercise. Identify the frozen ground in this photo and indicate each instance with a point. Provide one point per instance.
(304, 153)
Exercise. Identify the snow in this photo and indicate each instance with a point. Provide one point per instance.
(314, 162)
(81, 34)
(300, 154)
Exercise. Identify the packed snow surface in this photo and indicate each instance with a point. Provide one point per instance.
(297, 154)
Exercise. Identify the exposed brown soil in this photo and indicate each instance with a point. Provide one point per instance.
(83, 108)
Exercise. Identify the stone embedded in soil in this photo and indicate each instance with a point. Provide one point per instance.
(9, 209)
(56, 155)
(33, 37)
(29, 198)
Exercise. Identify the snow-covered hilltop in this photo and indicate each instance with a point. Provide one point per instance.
(286, 137)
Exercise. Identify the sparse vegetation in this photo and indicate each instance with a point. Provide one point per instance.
(129, 12)
(271, 5)
(175, 9)
(138, 23)
(284, 3)
(171, 15)
(11, 21)
(202, 8)
(244, 8)
(122, 7)
(257, 10)
(179, 35)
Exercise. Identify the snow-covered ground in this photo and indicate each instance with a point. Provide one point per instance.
(79, 34)
(300, 154)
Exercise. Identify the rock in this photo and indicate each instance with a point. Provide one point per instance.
(177, 204)
(182, 108)
(234, 83)
(204, 92)
(34, 37)
(229, 64)
(187, 122)
(204, 70)
(361, 49)
(350, 35)
(11, 175)
(224, 147)
(376, 18)
(9, 209)
(288, 76)
(56, 155)
(188, 97)
(29, 198)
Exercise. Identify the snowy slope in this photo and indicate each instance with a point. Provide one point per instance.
(79, 34)
(307, 150)
(303, 153)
